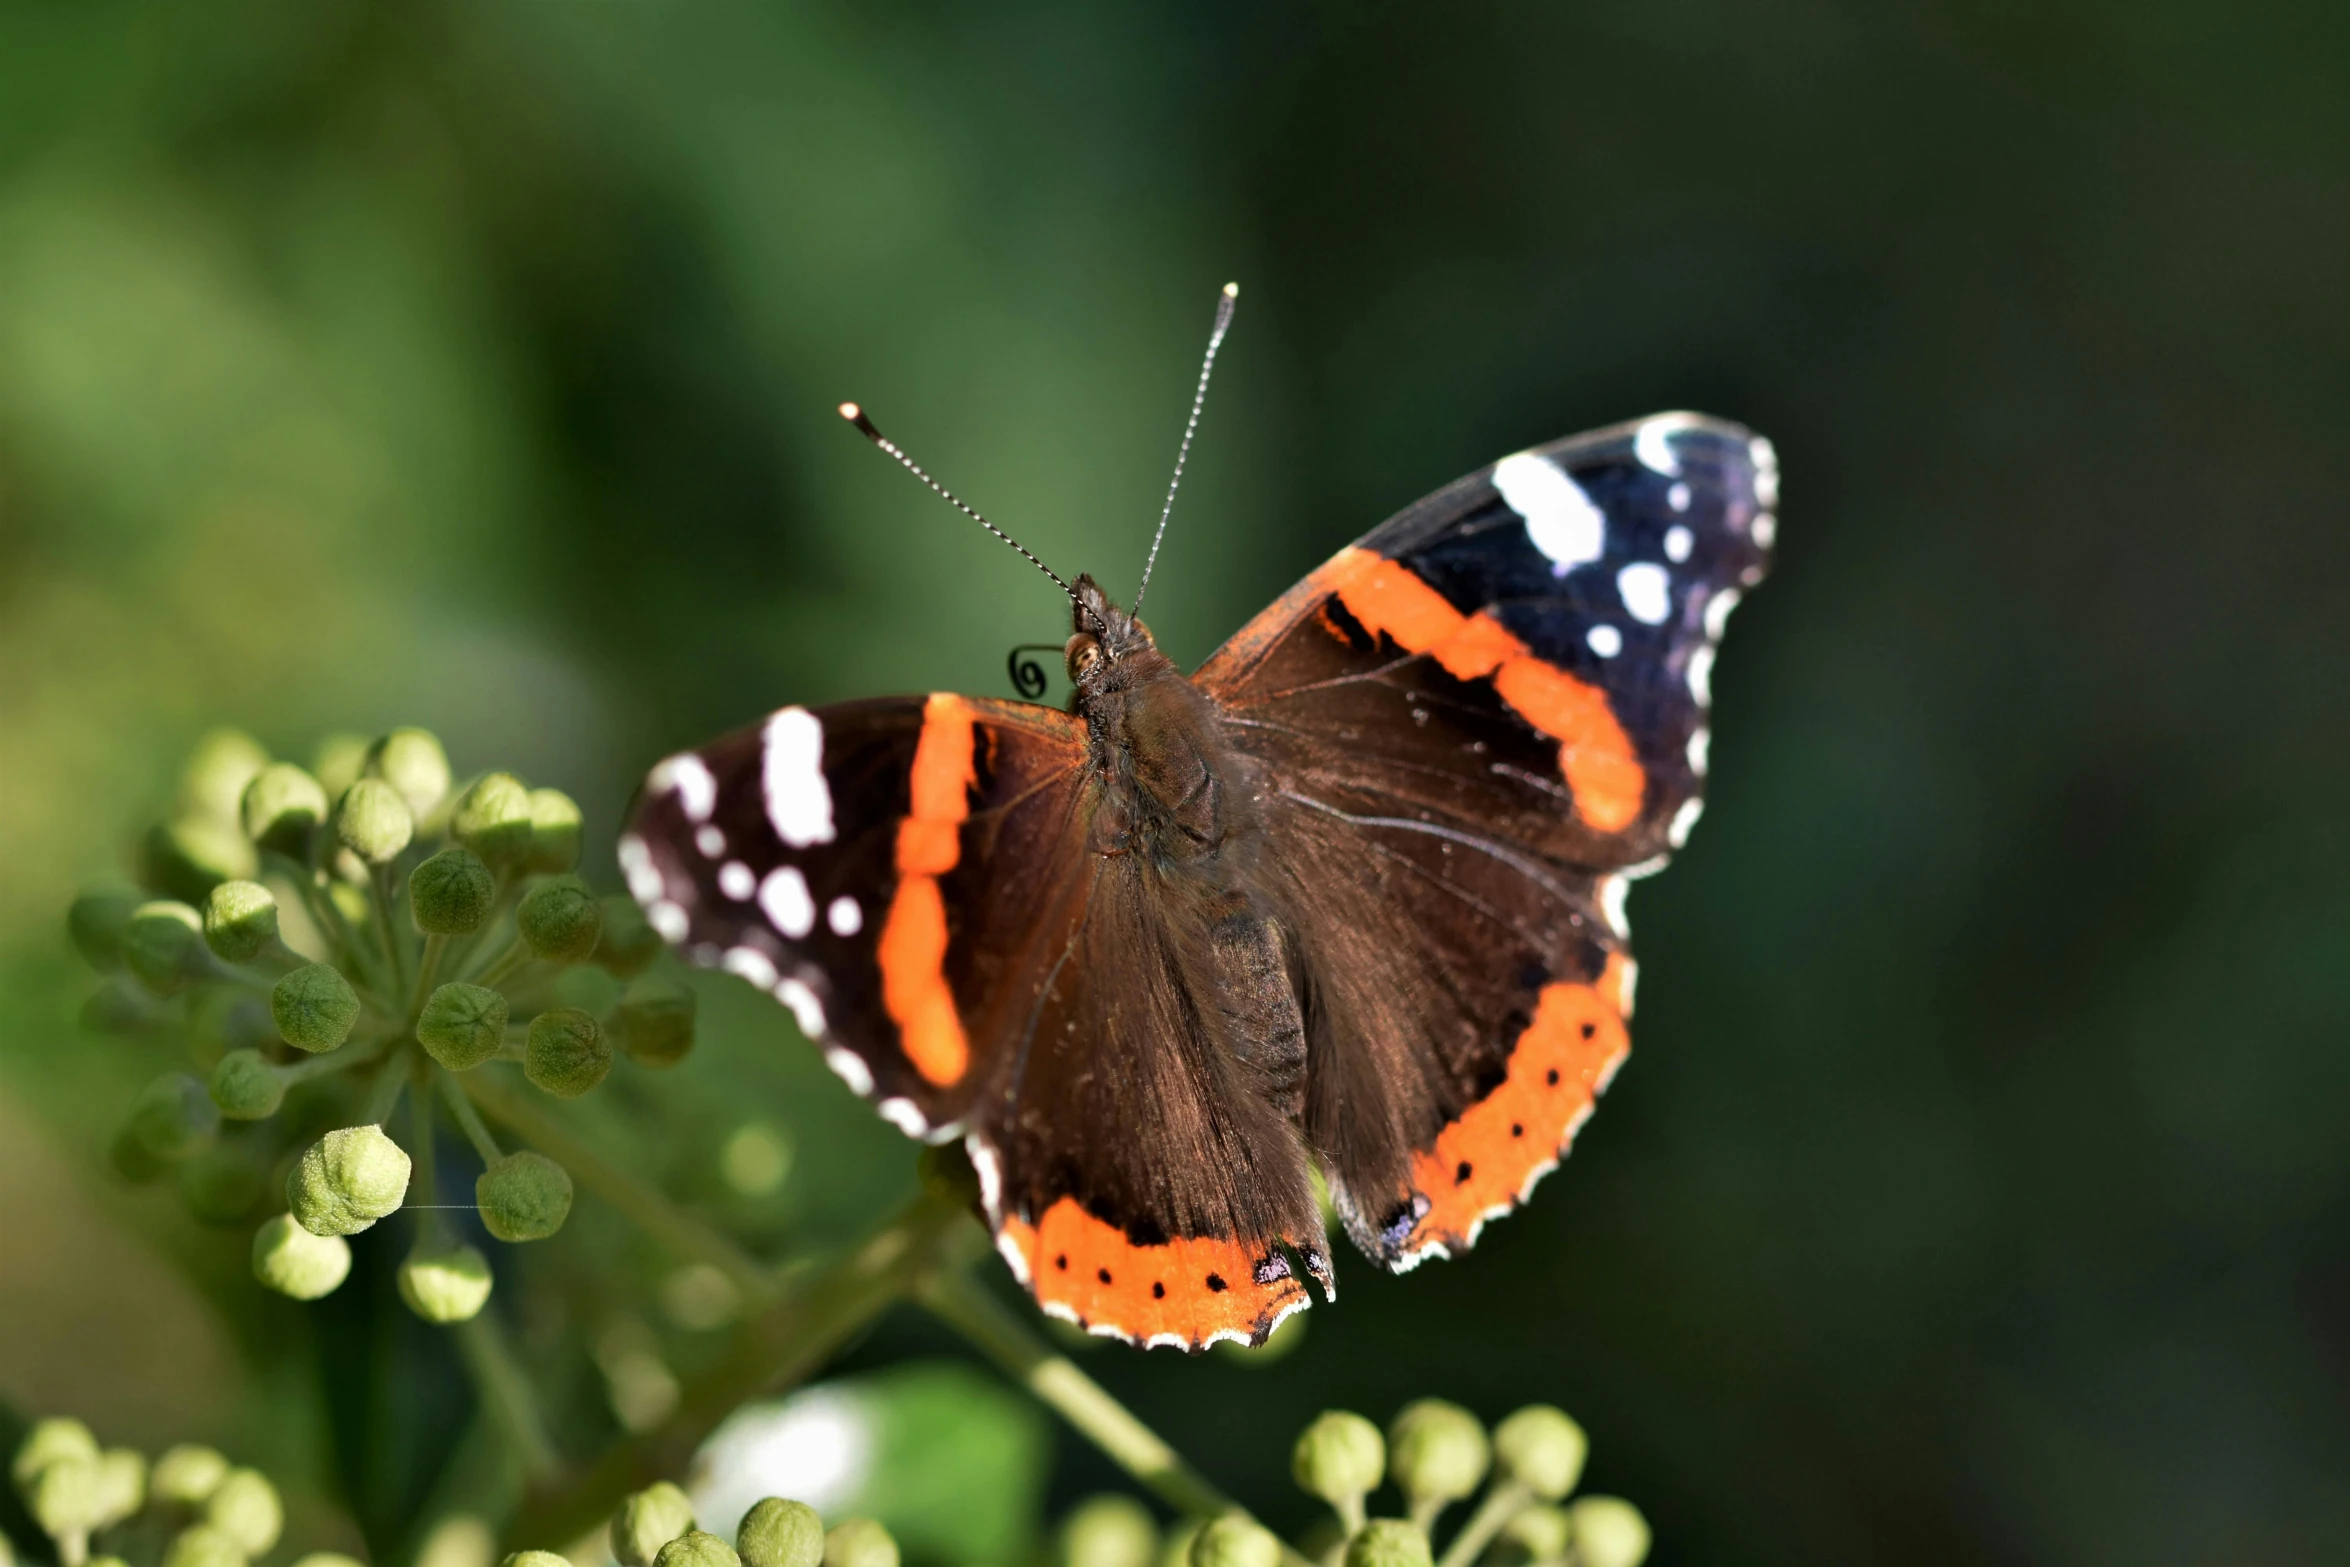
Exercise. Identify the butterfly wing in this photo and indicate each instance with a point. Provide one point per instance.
(915, 879)
(1479, 722)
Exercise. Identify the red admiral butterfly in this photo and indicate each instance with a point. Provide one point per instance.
(1348, 898)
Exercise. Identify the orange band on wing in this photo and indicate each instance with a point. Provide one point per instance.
(1181, 1291)
(1484, 1162)
(913, 946)
(1594, 752)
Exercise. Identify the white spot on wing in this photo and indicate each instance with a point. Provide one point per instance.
(990, 1170)
(1678, 497)
(751, 964)
(1678, 542)
(1560, 519)
(901, 1114)
(1717, 612)
(1765, 529)
(844, 916)
(667, 918)
(710, 841)
(1684, 819)
(1700, 744)
(1765, 458)
(849, 1068)
(1631, 983)
(736, 881)
(799, 803)
(636, 863)
(1701, 674)
(809, 1013)
(784, 895)
(1652, 443)
(1606, 641)
(690, 776)
(1647, 591)
(1611, 903)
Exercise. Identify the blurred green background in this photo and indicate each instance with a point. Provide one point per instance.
(1978, 1188)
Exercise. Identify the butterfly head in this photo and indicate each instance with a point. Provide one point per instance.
(1106, 640)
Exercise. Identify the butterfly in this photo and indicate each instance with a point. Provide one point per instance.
(1348, 898)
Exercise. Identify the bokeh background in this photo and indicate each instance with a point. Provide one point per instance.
(1977, 1190)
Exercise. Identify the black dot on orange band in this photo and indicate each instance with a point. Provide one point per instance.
(1551, 1077)
(1463, 1173)
(1590, 1029)
(1062, 1262)
(1103, 1274)
(1158, 1291)
(1517, 1130)
(1216, 1283)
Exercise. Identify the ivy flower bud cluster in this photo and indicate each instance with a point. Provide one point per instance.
(323, 944)
(655, 1527)
(1433, 1454)
(190, 1507)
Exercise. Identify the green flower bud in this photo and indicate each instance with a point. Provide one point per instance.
(412, 761)
(1109, 1531)
(240, 919)
(1609, 1532)
(339, 762)
(1388, 1542)
(173, 1116)
(1235, 1541)
(451, 893)
(122, 1485)
(292, 1261)
(1537, 1534)
(1175, 1550)
(283, 805)
(222, 764)
(647, 1520)
(560, 920)
(1436, 1453)
(1339, 1458)
(567, 1054)
(523, 1197)
(860, 1542)
(50, 1441)
(246, 1087)
(697, 1549)
(244, 1506)
(202, 1545)
(523, 1559)
(780, 1533)
(188, 856)
(629, 944)
(100, 922)
(187, 1474)
(95, 1561)
(338, 1559)
(64, 1497)
(225, 1017)
(462, 1025)
(347, 1180)
(493, 820)
(120, 1006)
(373, 822)
(450, 1284)
(221, 1184)
(655, 1020)
(554, 831)
(314, 1007)
(1541, 1449)
(160, 945)
(132, 1160)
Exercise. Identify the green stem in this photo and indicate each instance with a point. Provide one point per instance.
(357, 1053)
(436, 947)
(506, 1391)
(383, 1096)
(323, 913)
(645, 1205)
(963, 1303)
(469, 1121)
(424, 1180)
(785, 1342)
(379, 889)
(1504, 1501)
(516, 954)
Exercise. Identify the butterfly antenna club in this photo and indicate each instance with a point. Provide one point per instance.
(865, 426)
(1226, 303)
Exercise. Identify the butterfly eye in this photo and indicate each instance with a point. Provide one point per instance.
(1082, 652)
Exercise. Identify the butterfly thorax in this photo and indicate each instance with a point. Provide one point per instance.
(1156, 742)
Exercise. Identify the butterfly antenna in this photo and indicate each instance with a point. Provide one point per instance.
(1225, 305)
(865, 426)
